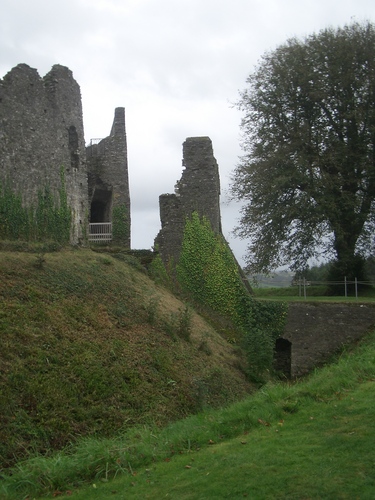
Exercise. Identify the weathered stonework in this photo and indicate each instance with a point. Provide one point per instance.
(315, 331)
(197, 190)
(108, 184)
(41, 132)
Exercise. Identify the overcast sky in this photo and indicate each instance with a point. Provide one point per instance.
(175, 65)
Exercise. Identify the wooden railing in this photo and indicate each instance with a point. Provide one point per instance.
(100, 232)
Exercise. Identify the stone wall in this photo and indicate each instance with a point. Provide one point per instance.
(197, 190)
(108, 183)
(315, 331)
(41, 131)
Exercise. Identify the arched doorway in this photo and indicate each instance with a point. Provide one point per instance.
(100, 210)
(100, 227)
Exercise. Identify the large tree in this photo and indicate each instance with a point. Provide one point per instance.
(307, 176)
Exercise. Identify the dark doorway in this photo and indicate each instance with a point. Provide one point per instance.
(101, 205)
(282, 362)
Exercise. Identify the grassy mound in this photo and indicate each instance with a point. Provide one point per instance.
(90, 346)
(310, 439)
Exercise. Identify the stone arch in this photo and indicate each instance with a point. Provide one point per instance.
(283, 357)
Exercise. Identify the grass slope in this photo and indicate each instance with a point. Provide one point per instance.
(91, 346)
(311, 439)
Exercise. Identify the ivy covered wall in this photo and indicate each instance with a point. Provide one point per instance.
(49, 218)
(208, 274)
(41, 129)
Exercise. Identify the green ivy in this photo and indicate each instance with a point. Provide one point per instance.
(266, 321)
(48, 220)
(208, 273)
(120, 224)
(159, 274)
(14, 218)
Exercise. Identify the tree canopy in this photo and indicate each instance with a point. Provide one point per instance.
(307, 175)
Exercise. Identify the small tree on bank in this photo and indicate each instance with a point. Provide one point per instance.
(307, 175)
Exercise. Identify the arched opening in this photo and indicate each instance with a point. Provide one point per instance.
(282, 362)
(100, 210)
(100, 227)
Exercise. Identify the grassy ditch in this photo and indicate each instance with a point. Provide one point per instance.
(90, 346)
(310, 439)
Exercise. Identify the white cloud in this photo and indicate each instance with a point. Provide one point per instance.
(174, 65)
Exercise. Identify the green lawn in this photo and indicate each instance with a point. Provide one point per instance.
(312, 439)
(313, 293)
(323, 451)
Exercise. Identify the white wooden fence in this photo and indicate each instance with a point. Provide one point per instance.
(100, 232)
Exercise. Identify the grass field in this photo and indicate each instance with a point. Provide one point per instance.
(313, 293)
(311, 439)
(100, 368)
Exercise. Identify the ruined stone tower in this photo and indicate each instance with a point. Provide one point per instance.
(108, 183)
(41, 136)
(41, 132)
(197, 190)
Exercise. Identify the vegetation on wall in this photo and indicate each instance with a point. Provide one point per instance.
(14, 218)
(120, 224)
(159, 273)
(49, 219)
(208, 273)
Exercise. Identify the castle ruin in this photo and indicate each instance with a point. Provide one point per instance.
(41, 131)
(108, 182)
(198, 190)
(41, 134)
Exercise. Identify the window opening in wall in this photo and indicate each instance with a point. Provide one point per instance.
(283, 357)
(73, 146)
(100, 227)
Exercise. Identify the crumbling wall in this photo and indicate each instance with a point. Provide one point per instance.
(41, 131)
(199, 187)
(197, 190)
(108, 182)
